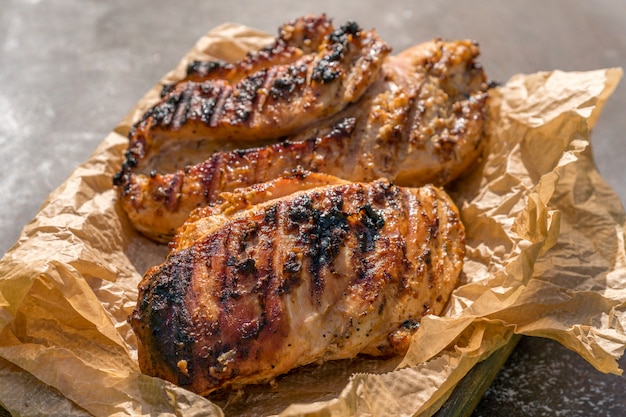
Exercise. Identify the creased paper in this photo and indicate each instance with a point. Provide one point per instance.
(545, 258)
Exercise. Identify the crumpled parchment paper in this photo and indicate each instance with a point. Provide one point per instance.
(545, 258)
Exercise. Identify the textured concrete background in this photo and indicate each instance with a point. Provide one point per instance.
(71, 69)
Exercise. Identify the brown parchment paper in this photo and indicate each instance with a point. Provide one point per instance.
(545, 258)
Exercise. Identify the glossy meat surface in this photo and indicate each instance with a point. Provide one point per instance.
(271, 94)
(421, 121)
(262, 285)
(295, 38)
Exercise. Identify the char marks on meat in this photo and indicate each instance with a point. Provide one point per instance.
(415, 118)
(298, 189)
(269, 95)
(296, 38)
(260, 285)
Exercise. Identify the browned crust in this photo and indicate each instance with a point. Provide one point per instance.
(262, 102)
(421, 121)
(295, 38)
(371, 259)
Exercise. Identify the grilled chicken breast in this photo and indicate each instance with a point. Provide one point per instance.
(265, 96)
(260, 285)
(421, 121)
(295, 38)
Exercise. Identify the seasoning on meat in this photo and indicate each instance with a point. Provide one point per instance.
(263, 284)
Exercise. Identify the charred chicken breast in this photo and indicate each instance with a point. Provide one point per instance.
(264, 97)
(328, 270)
(417, 118)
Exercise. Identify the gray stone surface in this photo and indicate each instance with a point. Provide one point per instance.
(71, 69)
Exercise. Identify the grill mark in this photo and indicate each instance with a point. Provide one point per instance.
(245, 95)
(262, 99)
(363, 283)
(271, 215)
(257, 318)
(326, 70)
(284, 87)
(249, 316)
(162, 113)
(424, 258)
(299, 211)
(260, 282)
(374, 269)
(407, 203)
(433, 232)
(291, 260)
(201, 70)
(238, 324)
(302, 35)
(370, 223)
(329, 231)
(274, 309)
(416, 111)
(182, 108)
(162, 308)
(223, 92)
(225, 293)
(264, 250)
(208, 105)
(321, 232)
(404, 226)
